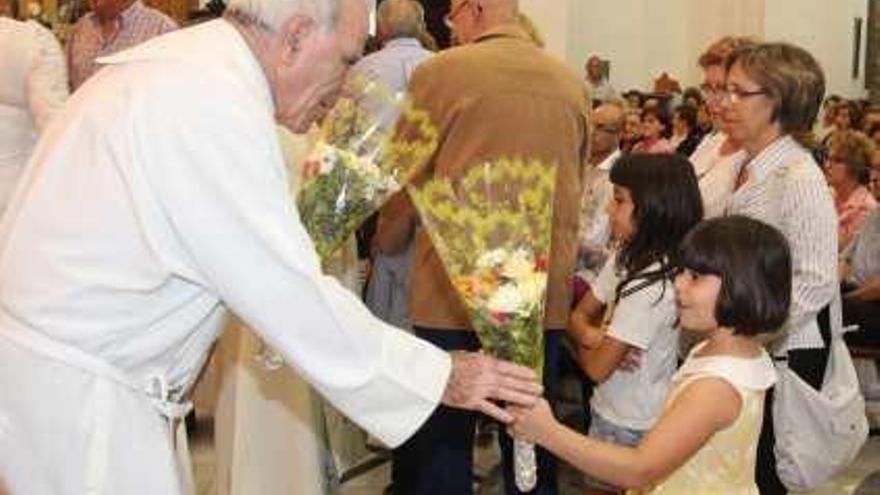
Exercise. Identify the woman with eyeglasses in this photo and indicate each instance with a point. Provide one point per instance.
(848, 169)
(772, 95)
(718, 158)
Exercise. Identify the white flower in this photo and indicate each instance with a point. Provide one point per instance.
(506, 299)
(492, 258)
(327, 157)
(518, 267)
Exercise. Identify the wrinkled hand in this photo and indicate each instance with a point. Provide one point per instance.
(631, 361)
(478, 378)
(531, 424)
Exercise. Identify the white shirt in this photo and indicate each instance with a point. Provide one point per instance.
(160, 199)
(716, 173)
(595, 232)
(394, 63)
(864, 251)
(33, 86)
(787, 190)
(645, 320)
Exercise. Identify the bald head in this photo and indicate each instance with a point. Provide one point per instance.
(471, 18)
(399, 19)
(500, 11)
(608, 120)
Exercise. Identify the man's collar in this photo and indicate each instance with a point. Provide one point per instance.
(609, 160)
(508, 30)
(403, 41)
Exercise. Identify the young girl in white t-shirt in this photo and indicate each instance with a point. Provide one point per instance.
(734, 284)
(631, 307)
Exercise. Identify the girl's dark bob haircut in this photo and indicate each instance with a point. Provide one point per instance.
(753, 261)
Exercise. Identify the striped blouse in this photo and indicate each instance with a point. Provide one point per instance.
(786, 189)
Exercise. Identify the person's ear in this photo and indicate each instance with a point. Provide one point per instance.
(296, 32)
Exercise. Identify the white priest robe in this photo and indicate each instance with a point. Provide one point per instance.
(157, 197)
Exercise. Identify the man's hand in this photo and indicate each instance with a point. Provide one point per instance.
(478, 378)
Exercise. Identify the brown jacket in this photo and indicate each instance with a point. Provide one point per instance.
(500, 96)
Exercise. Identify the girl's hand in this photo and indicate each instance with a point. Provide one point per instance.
(532, 424)
(632, 360)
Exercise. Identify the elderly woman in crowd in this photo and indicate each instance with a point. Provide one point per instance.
(719, 157)
(848, 168)
(861, 274)
(861, 284)
(771, 97)
(33, 86)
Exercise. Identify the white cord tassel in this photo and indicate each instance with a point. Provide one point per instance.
(525, 465)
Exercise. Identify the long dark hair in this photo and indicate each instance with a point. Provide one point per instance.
(667, 204)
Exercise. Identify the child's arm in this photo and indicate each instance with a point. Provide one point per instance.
(704, 407)
(597, 355)
(600, 362)
(584, 324)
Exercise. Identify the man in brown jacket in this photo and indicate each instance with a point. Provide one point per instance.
(496, 96)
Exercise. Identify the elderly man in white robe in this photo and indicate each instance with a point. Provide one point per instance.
(157, 200)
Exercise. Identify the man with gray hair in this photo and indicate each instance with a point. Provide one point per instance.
(168, 165)
(398, 24)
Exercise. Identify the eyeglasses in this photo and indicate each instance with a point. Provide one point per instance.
(450, 17)
(735, 95)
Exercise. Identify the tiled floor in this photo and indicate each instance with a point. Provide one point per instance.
(374, 481)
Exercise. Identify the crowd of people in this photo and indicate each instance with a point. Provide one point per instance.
(696, 238)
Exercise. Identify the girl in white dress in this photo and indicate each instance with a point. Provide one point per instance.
(735, 284)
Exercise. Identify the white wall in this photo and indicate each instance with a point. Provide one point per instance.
(825, 28)
(643, 38)
(551, 18)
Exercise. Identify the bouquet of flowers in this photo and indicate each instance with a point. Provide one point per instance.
(491, 229)
(369, 147)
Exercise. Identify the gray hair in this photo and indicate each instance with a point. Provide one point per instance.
(273, 13)
(400, 18)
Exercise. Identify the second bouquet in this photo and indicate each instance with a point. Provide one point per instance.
(369, 147)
